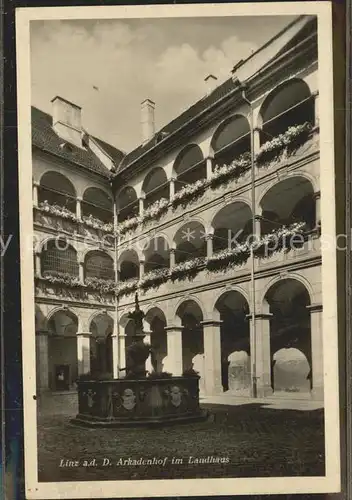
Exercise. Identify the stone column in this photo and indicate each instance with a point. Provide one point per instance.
(212, 357)
(83, 352)
(317, 209)
(147, 340)
(209, 165)
(79, 208)
(260, 355)
(172, 188)
(42, 361)
(141, 205)
(115, 352)
(257, 226)
(38, 264)
(209, 239)
(172, 258)
(174, 362)
(141, 268)
(35, 193)
(316, 312)
(81, 271)
(122, 352)
(256, 140)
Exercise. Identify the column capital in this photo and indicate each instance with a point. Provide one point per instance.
(316, 195)
(142, 196)
(260, 316)
(315, 308)
(84, 334)
(172, 328)
(209, 236)
(36, 183)
(42, 333)
(257, 129)
(173, 179)
(79, 198)
(172, 250)
(211, 322)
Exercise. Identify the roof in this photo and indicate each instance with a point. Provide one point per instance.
(45, 138)
(289, 37)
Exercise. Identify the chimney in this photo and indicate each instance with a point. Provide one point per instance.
(147, 120)
(67, 121)
(211, 83)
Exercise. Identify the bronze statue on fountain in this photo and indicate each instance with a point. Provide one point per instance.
(139, 351)
(138, 399)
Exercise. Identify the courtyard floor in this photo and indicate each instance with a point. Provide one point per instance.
(252, 440)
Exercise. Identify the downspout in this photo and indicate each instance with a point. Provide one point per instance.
(117, 322)
(253, 207)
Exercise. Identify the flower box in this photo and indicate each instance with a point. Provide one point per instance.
(95, 223)
(226, 173)
(59, 278)
(189, 193)
(155, 210)
(154, 279)
(101, 285)
(57, 210)
(228, 258)
(186, 270)
(126, 287)
(285, 238)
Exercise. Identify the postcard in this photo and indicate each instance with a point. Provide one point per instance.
(178, 250)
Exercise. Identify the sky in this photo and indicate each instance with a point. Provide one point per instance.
(108, 67)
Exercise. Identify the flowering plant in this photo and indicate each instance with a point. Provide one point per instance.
(154, 278)
(225, 173)
(188, 269)
(289, 140)
(155, 210)
(127, 225)
(63, 212)
(101, 285)
(228, 258)
(98, 224)
(59, 278)
(126, 287)
(279, 239)
(189, 193)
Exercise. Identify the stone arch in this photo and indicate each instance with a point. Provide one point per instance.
(233, 308)
(156, 254)
(155, 186)
(101, 326)
(127, 203)
(98, 204)
(290, 275)
(190, 315)
(57, 189)
(128, 265)
(231, 139)
(189, 166)
(288, 104)
(99, 264)
(157, 321)
(279, 202)
(290, 336)
(59, 256)
(63, 324)
(189, 241)
(232, 225)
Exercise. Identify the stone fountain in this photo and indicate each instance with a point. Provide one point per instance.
(138, 399)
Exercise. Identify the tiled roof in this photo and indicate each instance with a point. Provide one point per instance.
(45, 138)
(115, 154)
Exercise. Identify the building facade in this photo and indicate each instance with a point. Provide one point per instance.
(214, 220)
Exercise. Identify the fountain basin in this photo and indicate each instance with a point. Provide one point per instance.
(138, 402)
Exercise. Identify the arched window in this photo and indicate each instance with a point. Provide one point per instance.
(98, 204)
(155, 187)
(59, 257)
(128, 205)
(157, 255)
(232, 226)
(129, 265)
(56, 189)
(99, 265)
(190, 242)
(189, 166)
(231, 140)
(289, 104)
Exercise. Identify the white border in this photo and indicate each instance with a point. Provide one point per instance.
(186, 487)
